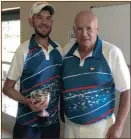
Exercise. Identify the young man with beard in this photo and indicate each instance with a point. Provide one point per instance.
(37, 63)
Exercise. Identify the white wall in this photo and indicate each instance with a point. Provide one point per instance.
(114, 26)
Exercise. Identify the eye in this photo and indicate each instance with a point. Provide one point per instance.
(89, 29)
(79, 28)
(38, 17)
(49, 18)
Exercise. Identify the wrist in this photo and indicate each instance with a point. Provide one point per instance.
(26, 101)
(119, 123)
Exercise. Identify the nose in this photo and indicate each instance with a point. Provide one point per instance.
(44, 21)
(84, 32)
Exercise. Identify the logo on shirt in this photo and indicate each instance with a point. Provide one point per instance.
(92, 68)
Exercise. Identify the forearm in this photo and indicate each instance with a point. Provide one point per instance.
(124, 107)
(15, 95)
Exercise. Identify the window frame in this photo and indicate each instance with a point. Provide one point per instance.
(9, 15)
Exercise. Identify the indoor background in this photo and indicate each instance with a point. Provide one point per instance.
(63, 22)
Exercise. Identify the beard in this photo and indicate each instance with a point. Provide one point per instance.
(43, 35)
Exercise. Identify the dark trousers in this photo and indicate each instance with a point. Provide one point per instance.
(25, 132)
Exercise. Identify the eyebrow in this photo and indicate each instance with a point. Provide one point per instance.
(50, 16)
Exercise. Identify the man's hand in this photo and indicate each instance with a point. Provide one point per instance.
(114, 131)
(39, 106)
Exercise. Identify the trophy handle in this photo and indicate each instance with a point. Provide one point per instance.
(50, 88)
(32, 96)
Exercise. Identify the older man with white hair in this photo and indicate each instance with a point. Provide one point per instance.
(92, 71)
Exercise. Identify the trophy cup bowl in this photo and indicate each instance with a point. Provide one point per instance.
(41, 95)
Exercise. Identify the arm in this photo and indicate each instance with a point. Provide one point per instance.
(14, 75)
(122, 84)
(124, 107)
(9, 90)
(116, 129)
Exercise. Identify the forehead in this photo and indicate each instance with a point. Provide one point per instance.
(85, 20)
(86, 23)
(43, 13)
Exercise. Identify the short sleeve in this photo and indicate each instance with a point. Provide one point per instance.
(121, 73)
(17, 64)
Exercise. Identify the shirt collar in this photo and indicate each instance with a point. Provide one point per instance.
(50, 48)
(76, 53)
(97, 51)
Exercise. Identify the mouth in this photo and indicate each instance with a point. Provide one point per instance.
(43, 27)
(43, 30)
(85, 39)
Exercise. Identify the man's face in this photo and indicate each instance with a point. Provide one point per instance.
(86, 31)
(42, 23)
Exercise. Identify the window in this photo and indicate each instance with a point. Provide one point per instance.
(10, 42)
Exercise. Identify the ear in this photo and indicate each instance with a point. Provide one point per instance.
(97, 29)
(30, 21)
(74, 30)
(52, 21)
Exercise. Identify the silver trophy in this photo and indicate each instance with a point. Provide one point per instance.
(41, 95)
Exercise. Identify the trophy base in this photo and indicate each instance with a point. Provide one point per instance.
(43, 114)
